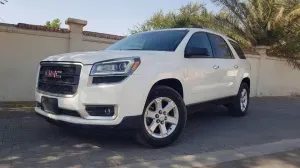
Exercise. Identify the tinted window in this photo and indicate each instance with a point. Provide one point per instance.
(219, 46)
(154, 41)
(200, 41)
(238, 50)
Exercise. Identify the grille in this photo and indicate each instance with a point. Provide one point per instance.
(63, 78)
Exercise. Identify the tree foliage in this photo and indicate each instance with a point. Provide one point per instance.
(190, 15)
(274, 23)
(54, 23)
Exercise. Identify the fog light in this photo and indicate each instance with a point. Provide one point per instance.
(102, 110)
(107, 111)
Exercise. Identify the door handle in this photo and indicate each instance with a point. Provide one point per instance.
(236, 66)
(216, 67)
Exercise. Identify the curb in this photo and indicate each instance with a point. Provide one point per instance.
(212, 158)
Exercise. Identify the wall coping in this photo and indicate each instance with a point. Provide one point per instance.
(262, 47)
(15, 29)
(250, 52)
(35, 27)
(76, 21)
(252, 56)
(40, 29)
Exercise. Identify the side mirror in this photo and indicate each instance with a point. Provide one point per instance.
(191, 52)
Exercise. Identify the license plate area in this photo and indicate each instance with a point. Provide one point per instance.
(49, 105)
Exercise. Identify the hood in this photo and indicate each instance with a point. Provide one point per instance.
(97, 56)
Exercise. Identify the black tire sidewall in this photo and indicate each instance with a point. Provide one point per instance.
(235, 108)
(164, 91)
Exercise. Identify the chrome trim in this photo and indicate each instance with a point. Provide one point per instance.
(62, 62)
(71, 119)
(56, 94)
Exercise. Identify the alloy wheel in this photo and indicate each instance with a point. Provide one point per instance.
(161, 117)
(244, 100)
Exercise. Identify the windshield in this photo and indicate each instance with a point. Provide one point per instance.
(167, 40)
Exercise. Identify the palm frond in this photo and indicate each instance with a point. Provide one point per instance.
(279, 14)
(236, 7)
(294, 15)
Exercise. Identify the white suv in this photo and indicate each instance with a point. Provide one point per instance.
(147, 81)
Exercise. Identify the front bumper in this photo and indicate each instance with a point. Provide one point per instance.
(128, 123)
(128, 98)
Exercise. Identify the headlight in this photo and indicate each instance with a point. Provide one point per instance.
(123, 66)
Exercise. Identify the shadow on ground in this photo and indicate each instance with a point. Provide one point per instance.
(28, 141)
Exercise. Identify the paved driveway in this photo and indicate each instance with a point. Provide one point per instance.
(28, 141)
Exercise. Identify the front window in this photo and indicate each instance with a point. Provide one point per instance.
(167, 40)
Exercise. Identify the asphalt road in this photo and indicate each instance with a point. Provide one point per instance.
(26, 140)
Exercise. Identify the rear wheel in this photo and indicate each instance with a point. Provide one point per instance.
(240, 104)
(164, 117)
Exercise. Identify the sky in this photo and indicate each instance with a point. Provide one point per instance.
(105, 16)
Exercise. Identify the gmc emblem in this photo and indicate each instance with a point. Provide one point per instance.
(52, 74)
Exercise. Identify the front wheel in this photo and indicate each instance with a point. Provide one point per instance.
(240, 104)
(164, 117)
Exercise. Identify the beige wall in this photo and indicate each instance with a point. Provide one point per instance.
(254, 61)
(19, 55)
(21, 50)
(273, 77)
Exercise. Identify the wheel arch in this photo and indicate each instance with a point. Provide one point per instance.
(172, 83)
(247, 81)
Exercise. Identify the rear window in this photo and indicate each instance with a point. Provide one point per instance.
(220, 47)
(238, 50)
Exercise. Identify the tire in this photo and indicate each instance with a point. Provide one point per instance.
(236, 109)
(156, 137)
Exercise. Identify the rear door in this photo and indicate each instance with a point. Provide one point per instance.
(243, 64)
(228, 65)
(202, 77)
